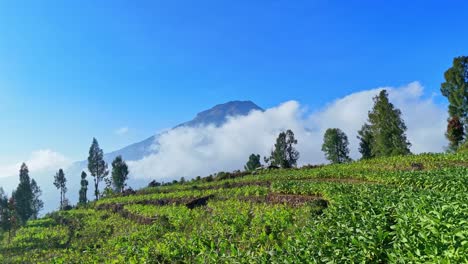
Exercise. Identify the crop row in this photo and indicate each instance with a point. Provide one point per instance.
(363, 223)
(374, 223)
(242, 191)
(427, 167)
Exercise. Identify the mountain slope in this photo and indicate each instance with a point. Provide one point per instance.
(216, 115)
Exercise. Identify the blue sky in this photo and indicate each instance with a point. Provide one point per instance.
(71, 70)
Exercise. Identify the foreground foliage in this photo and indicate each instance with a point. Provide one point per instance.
(410, 209)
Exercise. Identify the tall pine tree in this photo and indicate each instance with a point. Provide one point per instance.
(97, 166)
(23, 196)
(386, 130)
(84, 189)
(60, 183)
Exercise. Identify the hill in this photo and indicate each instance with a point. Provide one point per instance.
(408, 209)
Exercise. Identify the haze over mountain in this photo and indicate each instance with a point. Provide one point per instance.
(216, 116)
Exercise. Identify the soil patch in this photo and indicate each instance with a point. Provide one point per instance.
(199, 202)
(118, 208)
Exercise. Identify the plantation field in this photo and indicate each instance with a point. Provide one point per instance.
(411, 209)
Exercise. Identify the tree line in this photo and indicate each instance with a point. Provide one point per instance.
(98, 169)
(25, 204)
(384, 133)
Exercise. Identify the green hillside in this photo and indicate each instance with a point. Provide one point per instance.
(411, 209)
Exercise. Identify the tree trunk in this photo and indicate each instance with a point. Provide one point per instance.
(61, 199)
(96, 190)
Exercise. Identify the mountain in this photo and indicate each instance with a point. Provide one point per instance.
(219, 113)
(216, 115)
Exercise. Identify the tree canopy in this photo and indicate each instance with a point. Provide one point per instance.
(253, 162)
(119, 174)
(37, 203)
(284, 153)
(385, 135)
(455, 88)
(335, 146)
(97, 166)
(60, 183)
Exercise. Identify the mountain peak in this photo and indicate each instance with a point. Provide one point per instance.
(218, 114)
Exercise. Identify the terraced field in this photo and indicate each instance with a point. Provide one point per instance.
(410, 209)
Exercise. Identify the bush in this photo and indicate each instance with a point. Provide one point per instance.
(154, 183)
(231, 175)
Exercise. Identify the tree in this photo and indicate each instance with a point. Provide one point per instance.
(455, 88)
(335, 146)
(37, 203)
(8, 218)
(455, 133)
(387, 130)
(84, 189)
(365, 141)
(253, 163)
(5, 213)
(154, 183)
(23, 196)
(97, 166)
(60, 183)
(119, 174)
(284, 154)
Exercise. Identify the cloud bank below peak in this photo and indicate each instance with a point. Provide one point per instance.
(39, 161)
(192, 151)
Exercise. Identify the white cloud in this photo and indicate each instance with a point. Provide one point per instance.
(39, 161)
(121, 131)
(200, 151)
